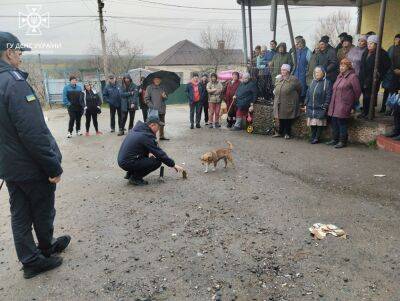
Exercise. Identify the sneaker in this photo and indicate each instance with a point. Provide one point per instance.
(112, 130)
(217, 125)
(78, 133)
(69, 135)
(58, 246)
(120, 133)
(210, 126)
(191, 126)
(340, 145)
(198, 126)
(206, 123)
(332, 143)
(137, 182)
(87, 134)
(287, 137)
(314, 141)
(41, 265)
(99, 133)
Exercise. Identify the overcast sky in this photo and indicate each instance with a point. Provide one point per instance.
(155, 27)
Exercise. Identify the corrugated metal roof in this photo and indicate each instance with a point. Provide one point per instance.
(188, 53)
(313, 2)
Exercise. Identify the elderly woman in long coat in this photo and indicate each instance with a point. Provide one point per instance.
(345, 92)
(287, 101)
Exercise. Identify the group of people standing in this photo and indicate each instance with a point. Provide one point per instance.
(124, 99)
(204, 95)
(328, 82)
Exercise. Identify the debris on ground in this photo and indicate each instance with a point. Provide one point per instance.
(319, 231)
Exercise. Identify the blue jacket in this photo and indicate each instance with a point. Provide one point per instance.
(318, 98)
(138, 144)
(246, 94)
(303, 58)
(190, 92)
(269, 54)
(112, 95)
(28, 151)
(72, 97)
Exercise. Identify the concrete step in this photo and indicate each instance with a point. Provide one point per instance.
(388, 144)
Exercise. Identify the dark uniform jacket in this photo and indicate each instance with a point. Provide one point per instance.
(112, 95)
(28, 151)
(138, 144)
(129, 95)
(246, 94)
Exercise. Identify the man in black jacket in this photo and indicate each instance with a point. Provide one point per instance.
(140, 154)
(30, 164)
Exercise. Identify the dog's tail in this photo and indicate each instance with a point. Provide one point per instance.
(230, 145)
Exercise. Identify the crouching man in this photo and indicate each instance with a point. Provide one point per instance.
(140, 154)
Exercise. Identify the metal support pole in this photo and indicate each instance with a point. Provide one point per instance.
(245, 51)
(274, 13)
(375, 82)
(250, 30)
(289, 23)
(359, 19)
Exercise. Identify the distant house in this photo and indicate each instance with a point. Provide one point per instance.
(185, 57)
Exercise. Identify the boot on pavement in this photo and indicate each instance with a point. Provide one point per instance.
(40, 265)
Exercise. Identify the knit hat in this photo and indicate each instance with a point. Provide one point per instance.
(348, 38)
(343, 35)
(286, 67)
(373, 39)
(324, 39)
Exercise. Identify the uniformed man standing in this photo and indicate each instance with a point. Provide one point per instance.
(30, 164)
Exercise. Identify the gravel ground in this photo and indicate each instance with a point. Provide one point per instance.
(234, 234)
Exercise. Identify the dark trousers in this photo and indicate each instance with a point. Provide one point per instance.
(162, 127)
(131, 114)
(114, 110)
(139, 168)
(339, 129)
(195, 108)
(396, 115)
(316, 132)
(366, 103)
(285, 126)
(74, 118)
(144, 113)
(204, 108)
(91, 116)
(31, 204)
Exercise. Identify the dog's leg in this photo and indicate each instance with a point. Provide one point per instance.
(230, 158)
(226, 162)
(215, 166)
(206, 171)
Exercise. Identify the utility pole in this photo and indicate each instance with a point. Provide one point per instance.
(103, 30)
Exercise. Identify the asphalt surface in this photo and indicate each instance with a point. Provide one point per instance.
(234, 234)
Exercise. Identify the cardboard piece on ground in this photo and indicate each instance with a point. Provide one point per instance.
(319, 231)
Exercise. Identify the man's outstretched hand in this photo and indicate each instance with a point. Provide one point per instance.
(179, 168)
(55, 180)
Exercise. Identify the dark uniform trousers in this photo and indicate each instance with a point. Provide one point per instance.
(31, 203)
(195, 109)
(114, 110)
(141, 167)
(124, 119)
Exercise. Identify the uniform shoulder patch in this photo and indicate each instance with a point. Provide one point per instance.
(30, 98)
(17, 75)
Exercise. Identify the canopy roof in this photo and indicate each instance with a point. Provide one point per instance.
(312, 2)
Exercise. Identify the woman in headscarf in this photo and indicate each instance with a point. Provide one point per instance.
(229, 92)
(280, 58)
(92, 103)
(317, 102)
(355, 53)
(345, 92)
(287, 101)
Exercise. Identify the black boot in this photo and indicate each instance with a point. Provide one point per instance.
(127, 176)
(120, 133)
(341, 144)
(137, 182)
(60, 244)
(332, 142)
(41, 265)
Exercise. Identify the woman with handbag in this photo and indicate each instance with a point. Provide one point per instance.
(92, 103)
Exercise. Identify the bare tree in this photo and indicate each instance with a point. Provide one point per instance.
(35, 79)
(122, 55)
(333, 25)
(218, 44)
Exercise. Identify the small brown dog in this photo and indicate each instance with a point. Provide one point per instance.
(220, 154)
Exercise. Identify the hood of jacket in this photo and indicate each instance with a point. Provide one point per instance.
(5, 66)
(142, 127)
(128, 76)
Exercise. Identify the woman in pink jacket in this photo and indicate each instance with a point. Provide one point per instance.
(346, 91)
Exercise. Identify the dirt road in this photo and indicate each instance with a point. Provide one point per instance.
(234, 234)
